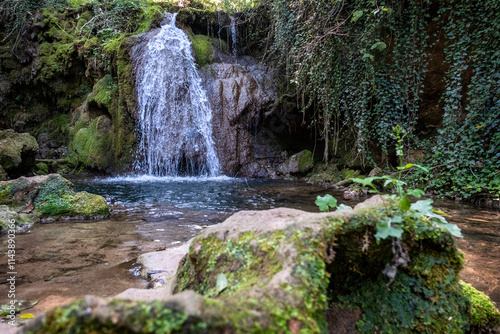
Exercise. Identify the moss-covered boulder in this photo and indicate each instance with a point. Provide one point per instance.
(288, 271)
(92, 144)
(298, 163)
(17, 153)
(50, 197)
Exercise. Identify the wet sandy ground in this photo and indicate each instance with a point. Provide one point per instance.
(481, 245)
(60, 262)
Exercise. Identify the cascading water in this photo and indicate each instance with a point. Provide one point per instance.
(174, 118)
(234, 37)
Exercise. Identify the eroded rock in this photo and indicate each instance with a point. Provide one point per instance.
(240, 93)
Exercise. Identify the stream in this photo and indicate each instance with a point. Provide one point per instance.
(65, 260)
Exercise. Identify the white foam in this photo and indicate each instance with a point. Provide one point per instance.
(162, 179)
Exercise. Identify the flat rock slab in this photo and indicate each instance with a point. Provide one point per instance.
(163, 263)
(161, 293)
(160, 268)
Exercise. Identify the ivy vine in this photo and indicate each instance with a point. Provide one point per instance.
(361, 68)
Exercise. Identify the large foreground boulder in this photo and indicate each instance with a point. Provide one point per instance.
(17, 153)
(49, 197)
(288, 271)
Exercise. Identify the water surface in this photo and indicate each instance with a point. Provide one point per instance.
(65, 260)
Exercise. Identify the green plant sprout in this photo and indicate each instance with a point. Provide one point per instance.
(401, 213)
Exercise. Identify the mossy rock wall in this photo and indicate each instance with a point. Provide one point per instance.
(61, 70)
(17, 153)
(288, 271)
(72, 75)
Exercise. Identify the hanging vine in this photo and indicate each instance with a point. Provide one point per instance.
(360, 66)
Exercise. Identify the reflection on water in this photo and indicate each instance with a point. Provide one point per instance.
(172, 197)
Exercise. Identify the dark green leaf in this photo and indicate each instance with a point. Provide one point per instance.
(405, 203)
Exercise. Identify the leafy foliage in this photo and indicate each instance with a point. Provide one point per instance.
(229, 6)
(400, 215)
(14, 13)
(360, 66)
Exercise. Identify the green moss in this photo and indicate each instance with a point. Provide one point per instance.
(325, 173)
(239, 261)
(481, 311)
(149, 15)
(55, 59)
(135, 317)
(15, 148)
(54, 206)
(84, 204)
(52, 196)
(104, 91)
(305, 161)
(91, 144)
(5, 194)
(114, 44)
(49, 193)
(190, 15)
(348, 173)
(202, 46)
(123, 125)
(41, 168)
(249, 264)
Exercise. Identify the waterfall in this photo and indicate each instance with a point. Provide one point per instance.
(174, 118)
(234, 37)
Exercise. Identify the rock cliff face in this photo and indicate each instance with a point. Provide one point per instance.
(241, 93)
(74, 91)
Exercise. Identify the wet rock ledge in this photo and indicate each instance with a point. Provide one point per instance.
(288, 271)
(47, 198)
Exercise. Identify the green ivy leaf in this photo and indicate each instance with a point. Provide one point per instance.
(424, 207)
(380, 46)
(367, 181)
(407, 166)
(385, 230)
(357, 15)
(415, 192)
(221, 283)
(452, 228)
(326, 202)
(405, 203)
(344, 207)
